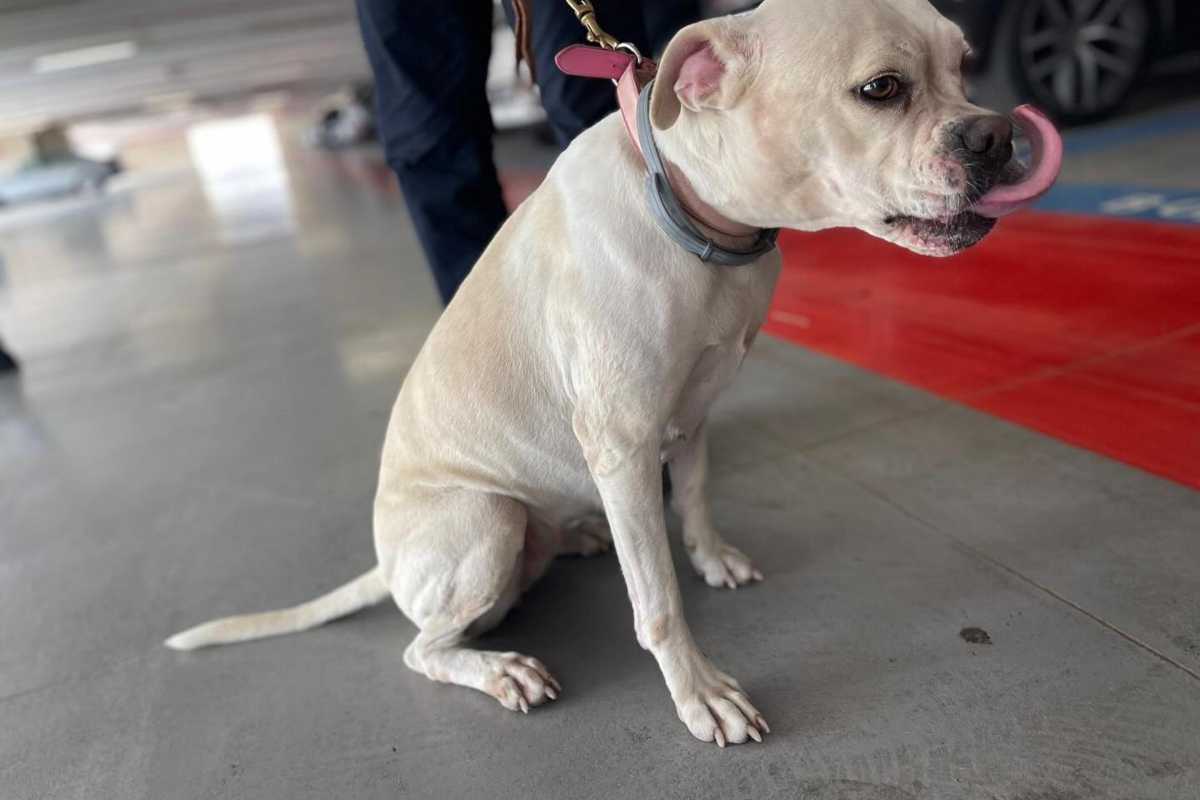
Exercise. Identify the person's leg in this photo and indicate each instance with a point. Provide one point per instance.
(454, 199)
(575, 104)
(664, 18)
(430, 62)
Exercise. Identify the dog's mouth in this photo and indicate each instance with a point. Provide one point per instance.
(1017, 186)
(941, 237)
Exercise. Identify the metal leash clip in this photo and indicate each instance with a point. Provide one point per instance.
(585, 12)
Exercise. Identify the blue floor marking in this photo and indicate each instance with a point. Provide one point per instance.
(1132, 202)
(1164, 123)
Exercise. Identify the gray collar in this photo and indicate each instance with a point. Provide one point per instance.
(668, 212)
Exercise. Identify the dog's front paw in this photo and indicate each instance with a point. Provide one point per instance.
(717, 710)
(723, 565)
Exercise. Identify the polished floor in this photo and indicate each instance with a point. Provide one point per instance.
(210, 355)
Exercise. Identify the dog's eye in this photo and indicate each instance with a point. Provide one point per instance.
(883, 88)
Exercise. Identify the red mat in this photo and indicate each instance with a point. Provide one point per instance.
(1084, 328)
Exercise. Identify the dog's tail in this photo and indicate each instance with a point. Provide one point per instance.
(363, 591)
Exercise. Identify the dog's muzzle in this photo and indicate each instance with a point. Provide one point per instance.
(1015, 187)
(983, 144)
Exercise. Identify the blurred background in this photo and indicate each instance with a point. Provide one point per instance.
(211, 284)
(101, 97)
(93, 91)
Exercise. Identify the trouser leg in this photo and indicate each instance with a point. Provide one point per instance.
(430, 62)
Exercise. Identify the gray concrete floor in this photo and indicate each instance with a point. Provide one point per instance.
(209, 367)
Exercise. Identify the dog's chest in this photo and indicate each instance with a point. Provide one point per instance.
(714, 371)
(734, 310)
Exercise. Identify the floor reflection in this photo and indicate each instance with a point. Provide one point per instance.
(244, 177)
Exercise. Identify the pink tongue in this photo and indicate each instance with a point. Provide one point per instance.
(1043, 172)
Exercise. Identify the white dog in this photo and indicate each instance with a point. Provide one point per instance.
(586, 347)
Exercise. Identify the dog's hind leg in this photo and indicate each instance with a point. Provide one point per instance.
(718, 562)
(517, 681)
(456, 574)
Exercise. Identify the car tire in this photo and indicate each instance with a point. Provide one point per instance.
(1077, 60)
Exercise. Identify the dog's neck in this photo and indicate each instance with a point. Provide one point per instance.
(680, 208)
(677, 203)
(713, 223)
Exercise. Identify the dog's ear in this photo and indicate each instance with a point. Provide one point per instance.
(706, 65)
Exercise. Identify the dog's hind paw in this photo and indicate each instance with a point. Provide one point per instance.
(724, 566)
(521, 682)
(588, 536)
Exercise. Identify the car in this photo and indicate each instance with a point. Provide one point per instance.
(1078, 60)
(41, 180)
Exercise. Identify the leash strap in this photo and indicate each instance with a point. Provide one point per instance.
(668, 212)
(523, 37)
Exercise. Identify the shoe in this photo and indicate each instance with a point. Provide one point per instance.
(7, 362)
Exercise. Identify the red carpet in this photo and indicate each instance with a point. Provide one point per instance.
(1084, 328)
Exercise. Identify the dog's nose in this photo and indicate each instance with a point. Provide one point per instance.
(989, 138)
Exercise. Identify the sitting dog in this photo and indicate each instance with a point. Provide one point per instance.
(588, 344)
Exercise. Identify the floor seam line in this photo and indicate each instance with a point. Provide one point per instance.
(1048, 373)
(806, 449)
(973, 550)
(942, 406)
(87, 675)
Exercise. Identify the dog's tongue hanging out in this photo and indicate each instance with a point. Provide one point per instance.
(1042, 173)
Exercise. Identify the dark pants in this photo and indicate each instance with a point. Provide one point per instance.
(430, 62)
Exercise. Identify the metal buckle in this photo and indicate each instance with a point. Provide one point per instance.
(631, 48)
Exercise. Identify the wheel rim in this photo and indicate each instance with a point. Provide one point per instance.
(1083, 55)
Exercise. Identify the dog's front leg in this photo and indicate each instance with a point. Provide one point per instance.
(708, 701)
(719, 563)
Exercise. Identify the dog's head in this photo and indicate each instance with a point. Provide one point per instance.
(843, 113)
